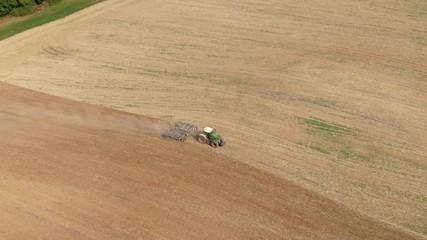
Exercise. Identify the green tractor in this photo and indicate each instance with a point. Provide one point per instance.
(208, 136)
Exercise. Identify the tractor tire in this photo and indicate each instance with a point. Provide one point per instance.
(221, 141)
(213, 144)
(202, 139)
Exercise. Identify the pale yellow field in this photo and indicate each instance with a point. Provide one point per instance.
(331, 95)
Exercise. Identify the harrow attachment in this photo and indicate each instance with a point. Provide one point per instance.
(179, 131)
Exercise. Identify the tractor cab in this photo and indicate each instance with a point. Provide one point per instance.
(210, 132)
(210, 137)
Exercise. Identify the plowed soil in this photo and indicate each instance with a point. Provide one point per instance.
(322, 104)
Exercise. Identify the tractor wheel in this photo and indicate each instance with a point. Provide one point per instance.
(213, 144)
(202, 139)
(221, 141)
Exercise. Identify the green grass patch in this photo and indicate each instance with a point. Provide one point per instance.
(422, 75)
(417, 13)
(319, 149)
(416, 228)
(316, 125)
(420, 197)
(314, 147)
(48, 14)
(342, 143)
(369, 157)
(358, 183)
(346, 153)
(421, 40)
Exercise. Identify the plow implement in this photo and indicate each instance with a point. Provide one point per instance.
(179, 131)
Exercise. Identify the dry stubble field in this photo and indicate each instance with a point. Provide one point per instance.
(330, 95)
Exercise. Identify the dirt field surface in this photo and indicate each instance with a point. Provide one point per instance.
(329, 96)
(74, 171)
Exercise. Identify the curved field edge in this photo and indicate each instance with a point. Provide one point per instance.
(49, 14)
